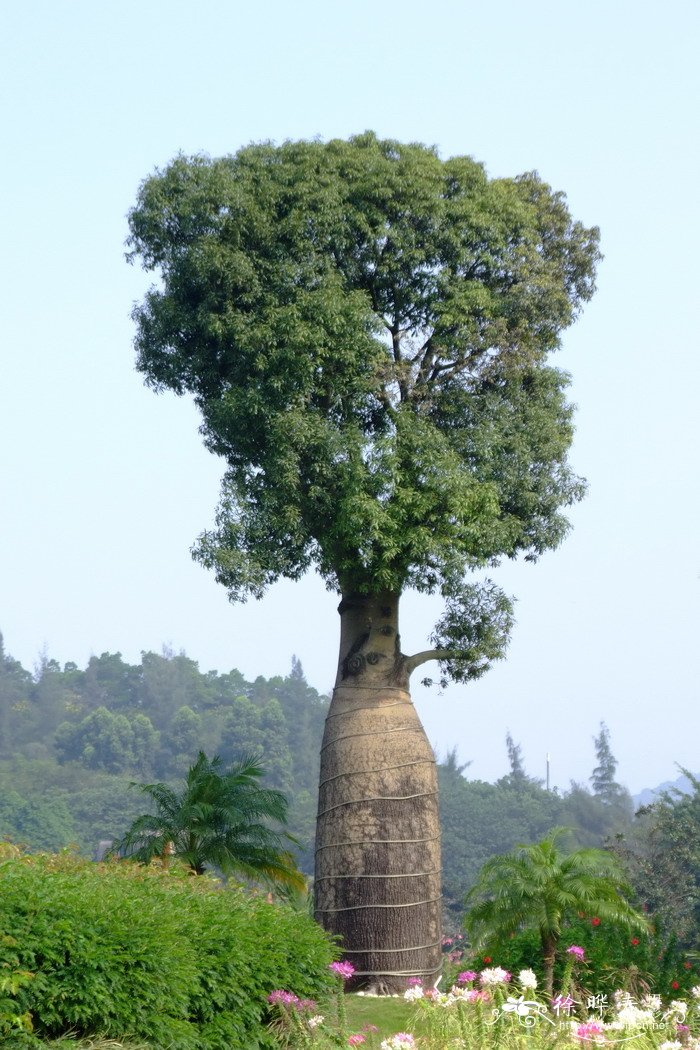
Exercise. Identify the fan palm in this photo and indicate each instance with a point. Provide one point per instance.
(218, 819)
(540, 887)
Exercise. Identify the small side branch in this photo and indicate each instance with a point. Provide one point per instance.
(411, 662)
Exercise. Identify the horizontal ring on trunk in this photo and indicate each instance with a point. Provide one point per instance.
(401, 875)
(376, 688)
(393, 973)
(364, 907)
(377, 842)
(370, 707)
(376, 798)
(375, 732)
(382, 769)
(387, 951)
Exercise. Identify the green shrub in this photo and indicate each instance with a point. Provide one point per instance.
(614, 958)
(125, 951)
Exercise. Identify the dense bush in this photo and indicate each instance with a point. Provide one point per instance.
(614, 958)
(126, 951)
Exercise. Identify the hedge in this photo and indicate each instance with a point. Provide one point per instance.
(124, 951)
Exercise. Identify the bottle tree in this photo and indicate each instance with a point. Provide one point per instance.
(365, 328)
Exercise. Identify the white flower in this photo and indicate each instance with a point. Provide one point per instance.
(314, 1022)
(411, 994)
(651, 1002)
(527, 979)
(495, 975)
(671, 1044)
(400, 1041)
(695, 992)
(632, 1016)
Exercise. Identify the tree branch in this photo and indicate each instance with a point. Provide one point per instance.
(411, 662)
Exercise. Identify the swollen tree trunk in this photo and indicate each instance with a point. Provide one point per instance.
(378, 880)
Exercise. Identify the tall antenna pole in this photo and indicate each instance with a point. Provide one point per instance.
(548, 771)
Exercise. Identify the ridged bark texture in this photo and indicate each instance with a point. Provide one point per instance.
(378, 881)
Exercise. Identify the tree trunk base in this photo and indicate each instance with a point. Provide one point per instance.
(378, 880)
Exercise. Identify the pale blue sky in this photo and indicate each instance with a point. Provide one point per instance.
(105, 486)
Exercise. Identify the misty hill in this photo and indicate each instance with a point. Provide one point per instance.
(649, 795)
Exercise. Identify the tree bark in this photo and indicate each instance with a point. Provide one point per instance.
(549, 948)
(378, 880)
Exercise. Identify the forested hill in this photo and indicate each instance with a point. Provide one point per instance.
(72, 740)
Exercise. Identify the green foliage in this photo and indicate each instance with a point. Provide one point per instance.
(45, 823)
(479, 820)
(220, 818)
(365, 330)
(172, 710)
(541, 887)
(129, 952)
(15, 1023)
(107, 741)
(662, 853)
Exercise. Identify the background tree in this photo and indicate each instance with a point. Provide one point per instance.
(365, 329)
(662, 852)
(603, 776)
(540, 887)
(219, 819)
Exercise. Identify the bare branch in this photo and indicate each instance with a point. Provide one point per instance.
(411, 662)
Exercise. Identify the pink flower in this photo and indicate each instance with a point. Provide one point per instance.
(575, 950)
(591, 1030)
(466, 976)
(356, 1040)
(342, 969)
(369, 1028)
(285, 998)
(414, 982)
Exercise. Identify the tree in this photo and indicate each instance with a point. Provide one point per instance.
(218, 819)
(101, 741)
(517, 778)
(540, 887)
(603, 776)
(662, 851)
(365, 330)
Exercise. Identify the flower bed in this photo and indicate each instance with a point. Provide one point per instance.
(492, 1009)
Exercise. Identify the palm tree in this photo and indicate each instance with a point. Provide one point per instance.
(219, 819)
(540, 887)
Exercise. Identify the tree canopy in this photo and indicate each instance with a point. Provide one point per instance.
(365, 329)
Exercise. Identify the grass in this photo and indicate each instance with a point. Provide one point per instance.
(390, 1015)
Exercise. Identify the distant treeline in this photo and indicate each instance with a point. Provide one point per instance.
(72, 740)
